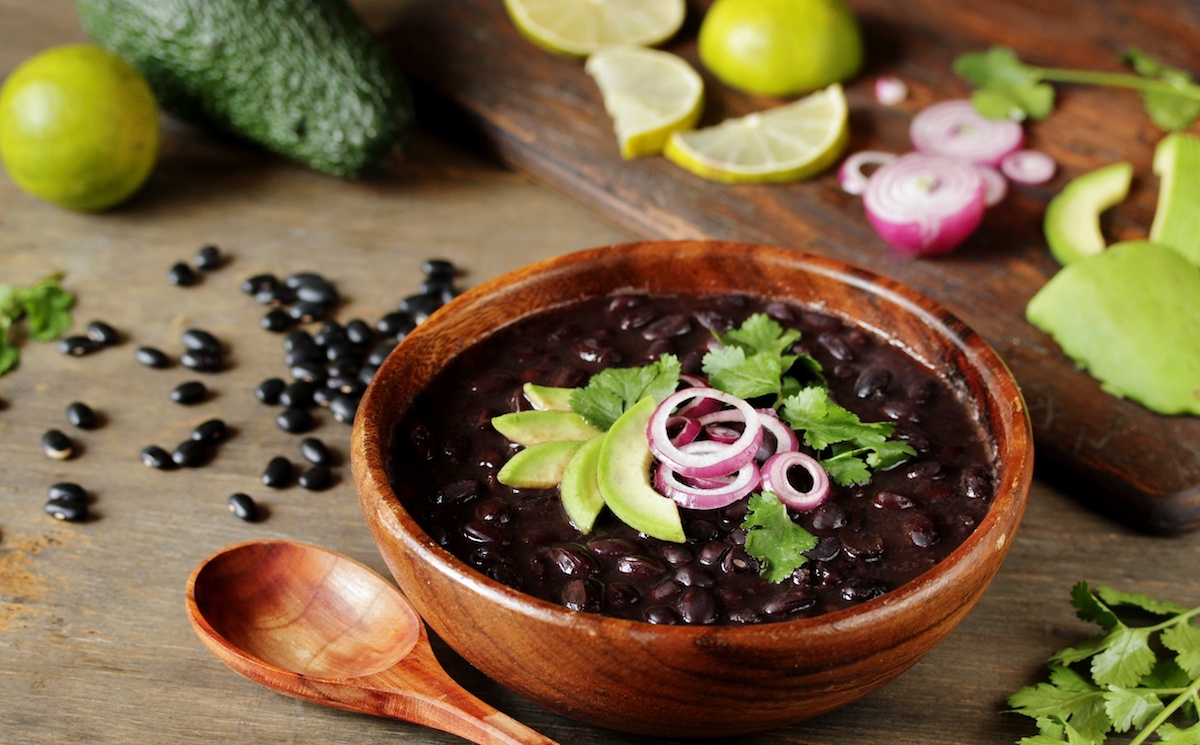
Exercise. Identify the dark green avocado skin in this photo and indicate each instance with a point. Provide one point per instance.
(304, 78)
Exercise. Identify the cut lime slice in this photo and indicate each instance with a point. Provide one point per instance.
(787, 143)
(648, 93)
(580, 27)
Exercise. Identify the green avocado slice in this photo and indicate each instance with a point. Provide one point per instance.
(580, 487)
(1177, 216)
(533, 427)
(538, 466)
(1131, 317)
(548, 398)
(624, 477)
(1072, 222)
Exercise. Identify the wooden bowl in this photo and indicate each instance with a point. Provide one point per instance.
(687, 681)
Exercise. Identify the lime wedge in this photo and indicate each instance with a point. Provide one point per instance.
(787, 143)
(580, 27)
(648, 93)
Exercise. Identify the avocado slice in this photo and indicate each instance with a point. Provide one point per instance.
(1130, 316)
(1177, 216)
(580, 488)
(533, 427)
(548, 398)
(538, 466)
(1072, 222)
(623, 474)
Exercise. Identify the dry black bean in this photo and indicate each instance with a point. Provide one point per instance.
(102, 333)
(344, 406)
(68, 511)
(154, 456)
(396, 324)
(202, 361)
(278, 473)
(299, 341)
(360, 332)
(152, 357)
(81, 415)
(68, 491)
(297, 394)
(303, 311)
(276, 320)
(438, 268)
(57, 445)
(243, 506)
(276, 296)
(213, 430)
(420, 306)
(208, 258)
(295, 420)
(189, 392)
(201, 341)
(316, 478)
(331, 332)
(182, 275)
(315, 451)
(318, 293)
(341, 351)
(259, 282)
(78, 345)
(380, 351)
(270, 390)
(192, 454)
(304, 278)
(322, 396)
(312, 371)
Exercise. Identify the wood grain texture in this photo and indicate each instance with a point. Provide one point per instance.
(544, 116)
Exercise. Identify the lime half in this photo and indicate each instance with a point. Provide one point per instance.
(580, 27)
(787, 143)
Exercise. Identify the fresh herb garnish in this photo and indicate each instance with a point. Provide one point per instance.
(753, 360)
(855, 447)
(1010, 89)
(45, 306)
(1143, 672)
(773, 538)
(611, 391)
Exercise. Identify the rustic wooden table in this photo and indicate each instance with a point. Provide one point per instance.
(94, 643)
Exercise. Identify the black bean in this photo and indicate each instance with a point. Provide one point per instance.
(276, 320)
(836, 346)
(57, 445)
(438, 268)
(621, 595)
(311, 371)
(202, 361)
(899, 411)
(789, 603)
(341, 351)
(77, 346)
(890, 500)
(457, 492)
(697, 606)
(190, 392)
(276, 297)
(660, 615)
(154, 456)
(330, 333)
(201, 341)
(344, 406)
(829, 516)
(396, 324)
(612, 546)
(259, 282)
(872, 382)
(322, 396)
(583, 595)
(68, 491)
(81, 415)
(380, 351)
(278, 473)
(691, 575)
(213, 430)
(103, 334)
(152, 357)
(270, 390)
(192, 454)
(300, 279)
(309, 356)
(303, 311)
(493, 511)
(295, 420)
(318, 293)
(920, 529)
(641, 566)
(299, 341)
(243, 506)
(667, 327)
(68, 511)
(420, 306)
(316, 478)
(478, 531)
(360, 332)
(182, 274)
(208, 258)
(573, 561)
(442, 289)
(315, 451)
(297, 394)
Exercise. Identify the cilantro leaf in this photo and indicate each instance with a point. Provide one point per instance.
(730, 370)
(1169, 733)
(773, 538)
(1115, 598)
(1090, 607)
(1184, 640)
(46, 306)
(1170, 110)
(610, 392)
(1068, 698)
(752, 360)
(825, 422)
(1125, 659)
(1130, 708)
(1008, 89)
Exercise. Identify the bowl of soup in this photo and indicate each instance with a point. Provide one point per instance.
(674, 598)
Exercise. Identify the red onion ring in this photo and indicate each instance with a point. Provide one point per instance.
(995, 186)
(689, 429)
(775, 479)
(956, 129)
(1028, 167)
(696, 497)
(730, 458)
(850, 174)
(700, 406)
(785, 437)
(925, 204)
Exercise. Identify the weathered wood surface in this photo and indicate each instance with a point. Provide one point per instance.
(544, 116)
(94, 642)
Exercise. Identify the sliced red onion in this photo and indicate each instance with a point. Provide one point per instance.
(728, 459)
(693, 497)
(850, 175)
(994, 184)
(1028, 167)
(689, 429)
(784, 436)
(890, 90)
(955, 128)
(775, 479)
(925, 204)
(700, 406)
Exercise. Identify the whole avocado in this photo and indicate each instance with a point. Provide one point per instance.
(303, 78)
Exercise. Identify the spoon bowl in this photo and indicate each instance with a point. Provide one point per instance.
(319, 626)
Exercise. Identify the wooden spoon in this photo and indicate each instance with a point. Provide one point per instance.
(319, 626)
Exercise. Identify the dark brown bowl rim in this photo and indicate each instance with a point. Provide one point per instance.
(1013, 477)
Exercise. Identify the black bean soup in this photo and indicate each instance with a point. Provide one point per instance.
(872, 539)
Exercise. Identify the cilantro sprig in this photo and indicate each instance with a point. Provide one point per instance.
(754, 360)
(773, 538)
(1142, 674)
(46, 308)
(1007, 88)
(610, 392)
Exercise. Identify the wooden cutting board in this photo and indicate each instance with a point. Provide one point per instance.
(543, 115)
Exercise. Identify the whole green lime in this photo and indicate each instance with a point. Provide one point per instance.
(78, 127)
(781, 47)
